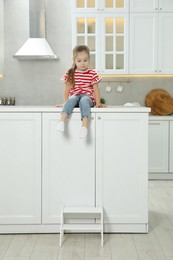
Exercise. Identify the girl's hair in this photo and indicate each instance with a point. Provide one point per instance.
(71, 71)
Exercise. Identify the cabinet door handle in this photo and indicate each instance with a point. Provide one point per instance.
(156, 123)
(99, 117)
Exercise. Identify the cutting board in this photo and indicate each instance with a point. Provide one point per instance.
(160, 102)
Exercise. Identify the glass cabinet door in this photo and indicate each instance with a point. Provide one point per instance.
(118, 5)
(115, 44)
(85, 5)
(102, 25)
(101, 5)
(86, 33)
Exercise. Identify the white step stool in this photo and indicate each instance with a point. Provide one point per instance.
(78, 212)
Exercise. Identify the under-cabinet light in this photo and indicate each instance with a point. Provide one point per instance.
(136, 76)
(1, 76)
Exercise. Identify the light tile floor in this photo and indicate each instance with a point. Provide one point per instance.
(156, 245)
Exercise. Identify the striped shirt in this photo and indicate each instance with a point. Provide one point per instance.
(84, 81)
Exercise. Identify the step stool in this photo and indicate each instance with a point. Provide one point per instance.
(78, 212)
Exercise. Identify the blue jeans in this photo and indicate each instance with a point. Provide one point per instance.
(82, 101)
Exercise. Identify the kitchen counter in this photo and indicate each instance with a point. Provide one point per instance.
(39, 172)
(109, 109)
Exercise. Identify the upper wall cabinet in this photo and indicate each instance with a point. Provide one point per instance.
(151, 5)
(103, 26)
(126, 36)
(1, 36)
(102, 5)
(151, 40)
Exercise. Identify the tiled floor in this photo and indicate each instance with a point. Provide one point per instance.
(156, 245)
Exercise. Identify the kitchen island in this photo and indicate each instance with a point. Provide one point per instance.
(42, 169)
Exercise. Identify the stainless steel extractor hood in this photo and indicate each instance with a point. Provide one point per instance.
(36, 47)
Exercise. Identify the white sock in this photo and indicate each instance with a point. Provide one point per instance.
(60, 126)
(83, 132)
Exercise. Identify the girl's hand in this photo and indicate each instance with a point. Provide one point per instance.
(59, 105)
(101, 105)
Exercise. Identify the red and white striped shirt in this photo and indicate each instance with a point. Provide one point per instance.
(84, 81)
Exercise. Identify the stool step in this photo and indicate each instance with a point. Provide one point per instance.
(85, 210)
(69, 212)
(82, 227)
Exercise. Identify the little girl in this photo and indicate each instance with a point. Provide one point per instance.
(81, 89)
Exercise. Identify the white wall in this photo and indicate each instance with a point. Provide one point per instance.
(38, 82)
(1, 36)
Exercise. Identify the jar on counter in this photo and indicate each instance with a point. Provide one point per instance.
(9, 101)
(12, 101)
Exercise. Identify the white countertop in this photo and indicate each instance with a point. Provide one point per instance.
(109, 109)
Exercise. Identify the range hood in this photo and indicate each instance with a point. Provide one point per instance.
(36, 47)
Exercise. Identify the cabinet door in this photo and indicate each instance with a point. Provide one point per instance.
(86, 31)
(165, 6)
(85, 5)
(165, 42)
(143, 5)
(115, 5)
(114, 43)
(20, 174)
(151, 6)
(143, 43)
(171, 148)
(100, 5)
(158, 146)
(68, 166)
(121, 167)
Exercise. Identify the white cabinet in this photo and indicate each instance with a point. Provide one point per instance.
(161, 147)
(103, 26)
(42, 169)
(143, 43)
(171, 147)
(165, 43)
(95, 172)
(68, 166)
(151, 40)
(121, 168)
(20, 162)
(158, 146)
(100, 5)
(151, 5)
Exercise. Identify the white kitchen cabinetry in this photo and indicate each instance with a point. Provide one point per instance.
(98, 169)
(121, 161)
(151, 41)
(68, 166)
(100, 5)
(143, 40)
(20, 174)
(171, 147)
(103, 26)
(160, 148)
(43, 170)
(151, 6)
